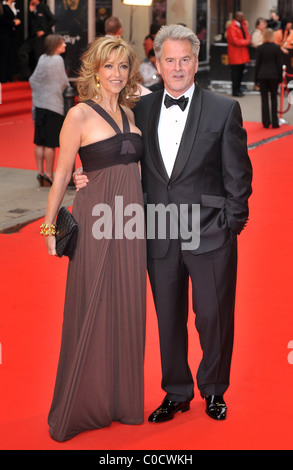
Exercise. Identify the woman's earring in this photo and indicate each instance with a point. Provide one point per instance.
(127, 92)
(97, 81)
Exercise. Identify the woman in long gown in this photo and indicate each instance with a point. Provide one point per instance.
(100, 371)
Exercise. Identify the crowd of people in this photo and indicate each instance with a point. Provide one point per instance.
(272, 40)
(41, 21)
(18, 61)
(240, 41)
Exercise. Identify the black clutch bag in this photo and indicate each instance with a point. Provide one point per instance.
(66, 233)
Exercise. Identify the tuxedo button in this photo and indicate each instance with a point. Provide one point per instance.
(169, 186)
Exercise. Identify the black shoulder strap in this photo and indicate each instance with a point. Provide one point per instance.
(126, 127)
(108, 118)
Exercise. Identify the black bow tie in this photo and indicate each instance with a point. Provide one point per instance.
(181, 102)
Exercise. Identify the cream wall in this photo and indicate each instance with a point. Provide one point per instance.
(141, 20)
(181, 11)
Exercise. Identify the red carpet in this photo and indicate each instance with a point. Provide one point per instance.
(16, 127)
(257, 133)
(17, 147)
(259, 399)
(16, 99)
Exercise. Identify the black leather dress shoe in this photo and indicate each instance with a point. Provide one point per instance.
(167, 410)
(216, 407)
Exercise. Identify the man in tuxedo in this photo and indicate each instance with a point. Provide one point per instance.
(195, 154)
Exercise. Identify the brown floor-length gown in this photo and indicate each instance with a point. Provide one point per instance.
(100, 371)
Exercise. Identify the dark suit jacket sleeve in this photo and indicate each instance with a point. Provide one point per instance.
(50, 19)
(237, 170)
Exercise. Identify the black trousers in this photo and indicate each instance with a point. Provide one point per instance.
(236, 77)
(269, 87)
(213, 277)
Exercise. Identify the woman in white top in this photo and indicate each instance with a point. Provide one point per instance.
(48, 83)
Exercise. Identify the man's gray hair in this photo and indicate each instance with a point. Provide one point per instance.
(175, 32)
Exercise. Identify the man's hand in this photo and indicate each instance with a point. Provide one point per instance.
(80, 180)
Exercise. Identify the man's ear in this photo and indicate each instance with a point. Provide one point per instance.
(158, 66)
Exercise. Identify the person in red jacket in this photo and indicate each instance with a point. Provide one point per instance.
(238, 39)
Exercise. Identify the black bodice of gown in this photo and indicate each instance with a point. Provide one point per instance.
(121, 149)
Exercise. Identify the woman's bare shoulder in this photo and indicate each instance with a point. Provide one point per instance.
(78, 112)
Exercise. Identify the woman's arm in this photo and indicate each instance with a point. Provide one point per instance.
(70, 138)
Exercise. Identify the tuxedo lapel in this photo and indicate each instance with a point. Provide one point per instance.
(153, 138)
(189, 133)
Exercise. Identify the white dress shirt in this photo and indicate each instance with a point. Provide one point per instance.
(171, 126)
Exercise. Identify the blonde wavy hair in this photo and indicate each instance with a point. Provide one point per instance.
(96, 56)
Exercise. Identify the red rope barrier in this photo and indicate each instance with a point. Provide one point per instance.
(283, 88)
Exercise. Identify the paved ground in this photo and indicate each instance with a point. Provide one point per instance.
(20, 206)
(22, 200)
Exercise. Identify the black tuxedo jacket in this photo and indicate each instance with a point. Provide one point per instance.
(212, 167)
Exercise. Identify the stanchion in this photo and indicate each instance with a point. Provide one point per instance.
(69, 96)
(284, 89)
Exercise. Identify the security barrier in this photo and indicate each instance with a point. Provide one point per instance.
(286, 85)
